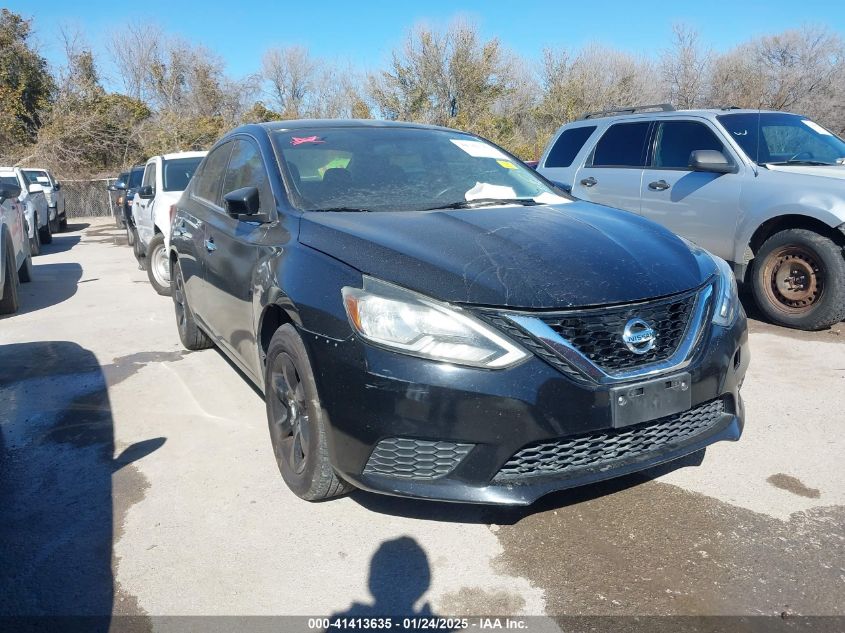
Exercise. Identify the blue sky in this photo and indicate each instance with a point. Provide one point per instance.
(364, 32)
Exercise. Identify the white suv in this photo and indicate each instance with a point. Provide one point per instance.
(165, 178)
(15, 259)
(763, 190)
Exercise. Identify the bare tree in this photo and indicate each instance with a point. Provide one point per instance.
(685, 68)
(292, 74)
(133, 50)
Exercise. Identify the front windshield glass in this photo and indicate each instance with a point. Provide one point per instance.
(402, 169)
(783, 139)
(135, 177)
(177, 172)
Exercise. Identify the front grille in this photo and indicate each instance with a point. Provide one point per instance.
(603, 449)
(408, 458)
(597, 333)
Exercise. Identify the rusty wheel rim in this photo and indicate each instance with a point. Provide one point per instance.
(794, 279)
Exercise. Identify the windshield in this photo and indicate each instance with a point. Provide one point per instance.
(178, 171)
(402, 169)
(9, 181)
(784, 139)
(135, 177)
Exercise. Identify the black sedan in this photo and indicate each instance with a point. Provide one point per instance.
(429, 317)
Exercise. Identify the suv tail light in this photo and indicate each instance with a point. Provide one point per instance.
(172, 212)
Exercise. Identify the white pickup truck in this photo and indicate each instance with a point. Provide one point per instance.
(15, 258)
(35, 206)
(165, 178)
(53, 192)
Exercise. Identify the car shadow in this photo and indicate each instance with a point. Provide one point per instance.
(51, 284)
(510, 515)
(61, 243)
(57, 468)
(77, 226)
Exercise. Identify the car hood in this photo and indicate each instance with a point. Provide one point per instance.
(547, 256)
(825, 171)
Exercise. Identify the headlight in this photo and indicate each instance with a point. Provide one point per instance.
(414, 324)
(727, 297)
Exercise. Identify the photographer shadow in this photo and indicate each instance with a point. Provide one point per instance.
(400, 575)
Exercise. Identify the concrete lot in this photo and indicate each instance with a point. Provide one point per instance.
(139, 477)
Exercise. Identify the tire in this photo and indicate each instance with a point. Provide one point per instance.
(63, 222)
(25, 271)
(10, 301)
(130, 236)
(54, 224)
(290, 392)
(158, 265)
(137, 250)
(46, 233)
(798, 280)
(192, 337)
(35, 244)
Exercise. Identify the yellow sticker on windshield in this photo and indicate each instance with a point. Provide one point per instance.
(506, 164)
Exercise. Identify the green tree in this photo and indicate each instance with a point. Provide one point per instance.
(25, 83)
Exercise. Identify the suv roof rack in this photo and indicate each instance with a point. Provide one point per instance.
(662, 107)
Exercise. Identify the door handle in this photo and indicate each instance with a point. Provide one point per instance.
(658, 185)
(210, 246)
(589, 182)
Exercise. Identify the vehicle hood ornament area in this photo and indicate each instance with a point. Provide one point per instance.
(639, 336)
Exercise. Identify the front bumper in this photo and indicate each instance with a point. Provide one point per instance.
(406, 426)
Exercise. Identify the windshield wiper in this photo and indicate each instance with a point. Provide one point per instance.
(484, 202)
(342, 210)
(811, 163)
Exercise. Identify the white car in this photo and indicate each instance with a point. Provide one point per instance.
(15, 259)
(165, 178)
(55, 196)
(36, 209)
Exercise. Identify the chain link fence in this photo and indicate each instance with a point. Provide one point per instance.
(88, 198)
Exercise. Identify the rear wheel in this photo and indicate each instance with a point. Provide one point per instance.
(46, 233)
(25, 271)
(130, 235)
(799, 280)
(190, 334)
(54, 224)
(35, 243)
(138, 250)
(10, 301)
(158, 265)
(296, 420)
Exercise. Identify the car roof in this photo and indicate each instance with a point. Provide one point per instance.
(173, 155)
(669, 114)
(300, 124)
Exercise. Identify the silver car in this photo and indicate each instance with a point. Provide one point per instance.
(763, 190)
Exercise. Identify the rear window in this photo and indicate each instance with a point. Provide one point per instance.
(623, 145)
(177, 172)
(567, 146)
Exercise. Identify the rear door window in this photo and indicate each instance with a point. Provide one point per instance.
(623, 145)
(209, 181)
(676, 140)
(567, 146)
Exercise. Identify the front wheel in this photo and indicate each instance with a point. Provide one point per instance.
(25, 271)
(296, 419)
(35, 243)
(158, 265)
(798, 280)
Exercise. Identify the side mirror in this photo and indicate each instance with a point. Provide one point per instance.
(35, 188)
(120, 185)
(8, 192)
(243, 204)
(112, 187)
(57, 186)
(710, 160)
(146, 192)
